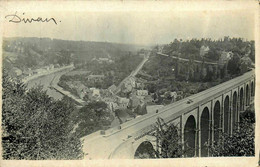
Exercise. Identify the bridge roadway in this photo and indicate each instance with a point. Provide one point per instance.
(99, 146)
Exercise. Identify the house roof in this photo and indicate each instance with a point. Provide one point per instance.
(226, 55)
(112, 88)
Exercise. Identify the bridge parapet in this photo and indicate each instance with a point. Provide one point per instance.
(133, 130)
(186, 103)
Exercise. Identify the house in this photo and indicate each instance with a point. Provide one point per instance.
(160, 49)
(112, 106)
(204, 50)
(134, 101)
(122, 102)
(138, 85)
(81, 90)
(28, 72)
(128, 85)
(225, 57)
(123, 115)
(141, 92)
(131, 81)
(148, 99)
(174, 94)
(95, 92)
(112, 88)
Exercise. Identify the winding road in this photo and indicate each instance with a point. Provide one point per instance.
(133, 73)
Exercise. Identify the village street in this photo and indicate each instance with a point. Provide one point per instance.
(133, 73)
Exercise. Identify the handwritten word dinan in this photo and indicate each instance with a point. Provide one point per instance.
(14, 18)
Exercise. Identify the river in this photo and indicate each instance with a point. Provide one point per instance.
(46, 81)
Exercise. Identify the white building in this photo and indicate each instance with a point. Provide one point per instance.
(204, 50)
(95, 92)
(122, 102)
(141, 92)
(225, 57)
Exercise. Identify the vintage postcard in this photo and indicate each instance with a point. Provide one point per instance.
(129, 83)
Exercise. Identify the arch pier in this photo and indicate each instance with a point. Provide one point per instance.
(200, 118)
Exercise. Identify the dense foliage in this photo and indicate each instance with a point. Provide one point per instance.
(241, 143)
(92, 117)
(36, 126)
(113, 72)
(163, 74)
(168, 140)
(191, 48)
(168, 143)
(37, 52)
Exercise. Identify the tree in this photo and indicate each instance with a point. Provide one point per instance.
(168, 140)
(92, 117)
(210, 74)
(140, 109)
(36, 126)
(64, 57)
(241, 143)
(234, 64)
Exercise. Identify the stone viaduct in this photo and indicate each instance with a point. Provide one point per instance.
(197, 116)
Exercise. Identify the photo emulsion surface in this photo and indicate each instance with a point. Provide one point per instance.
(128, 85)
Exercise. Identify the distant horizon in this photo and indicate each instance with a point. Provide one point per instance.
(147, 45)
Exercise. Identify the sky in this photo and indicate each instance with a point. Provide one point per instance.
(135, 27)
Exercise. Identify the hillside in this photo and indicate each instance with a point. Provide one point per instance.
(37, 52)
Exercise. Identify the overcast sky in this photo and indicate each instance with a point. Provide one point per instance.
(136, 27)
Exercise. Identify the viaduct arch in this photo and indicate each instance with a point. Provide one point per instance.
(205, 131)
(145, 150)
(226, 114)
(190, 137)
(210, 112)
(241, 99)
(217, 120)
(234, 111)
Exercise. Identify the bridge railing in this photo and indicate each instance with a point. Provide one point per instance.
(221, 87)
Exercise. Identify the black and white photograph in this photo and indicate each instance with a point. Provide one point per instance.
(129, 83)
